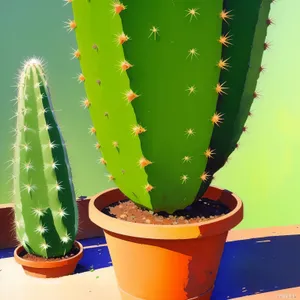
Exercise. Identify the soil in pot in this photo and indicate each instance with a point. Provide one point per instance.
(201, 210)
(31, 257)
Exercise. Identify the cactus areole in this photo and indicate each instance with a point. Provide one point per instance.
(46, 218)
(170, 85)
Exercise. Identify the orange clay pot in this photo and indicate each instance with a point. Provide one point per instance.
(49, 269)
(166, 262)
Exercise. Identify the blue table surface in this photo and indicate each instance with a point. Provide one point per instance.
(247, 266)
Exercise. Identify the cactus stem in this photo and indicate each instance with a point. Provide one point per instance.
(138, 129)
(223, 64)
(187, 159)
(220, 89)
(122, 38)
(190, 132)
(92, 130)
(225, 40)
(102, 161)
(85, 103)
(225, 15)
(118, 7)
(143, 162)
(192, 12)
(217, 119)
(130, 96)
(70, 25)
(191, 89)
(81, 78)
(125, 65)
(193, 52)
(184, 178)
(149, 187)
(204, 177)
(154, 31)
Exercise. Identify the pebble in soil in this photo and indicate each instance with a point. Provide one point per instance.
(200, 211)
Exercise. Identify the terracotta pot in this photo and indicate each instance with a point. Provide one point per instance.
(49, 269)
(166, 262)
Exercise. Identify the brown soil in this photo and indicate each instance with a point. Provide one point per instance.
(75, 250)
(200, 211)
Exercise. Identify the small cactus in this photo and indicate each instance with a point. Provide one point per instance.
(177, 80)
(46, 217)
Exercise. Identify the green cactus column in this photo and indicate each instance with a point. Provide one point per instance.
(248, 23)
(154, 73)
(152, 82)
(45, 205)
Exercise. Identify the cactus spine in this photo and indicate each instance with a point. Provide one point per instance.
(171, 84)
(46, 217)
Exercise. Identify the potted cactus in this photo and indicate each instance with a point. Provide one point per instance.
(169, 88)
(46, 216)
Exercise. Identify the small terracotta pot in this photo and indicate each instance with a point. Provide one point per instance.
(49, 269)
(160, 262)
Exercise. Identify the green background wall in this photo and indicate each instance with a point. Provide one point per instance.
(263, 171)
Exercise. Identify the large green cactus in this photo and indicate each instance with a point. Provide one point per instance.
(46, 214)
(169, 87)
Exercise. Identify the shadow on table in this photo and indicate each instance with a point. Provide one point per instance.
(247, 267)
(95, 256)
(257, 266)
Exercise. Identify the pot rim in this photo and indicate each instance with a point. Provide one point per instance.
(47, 264)
(157, 231)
